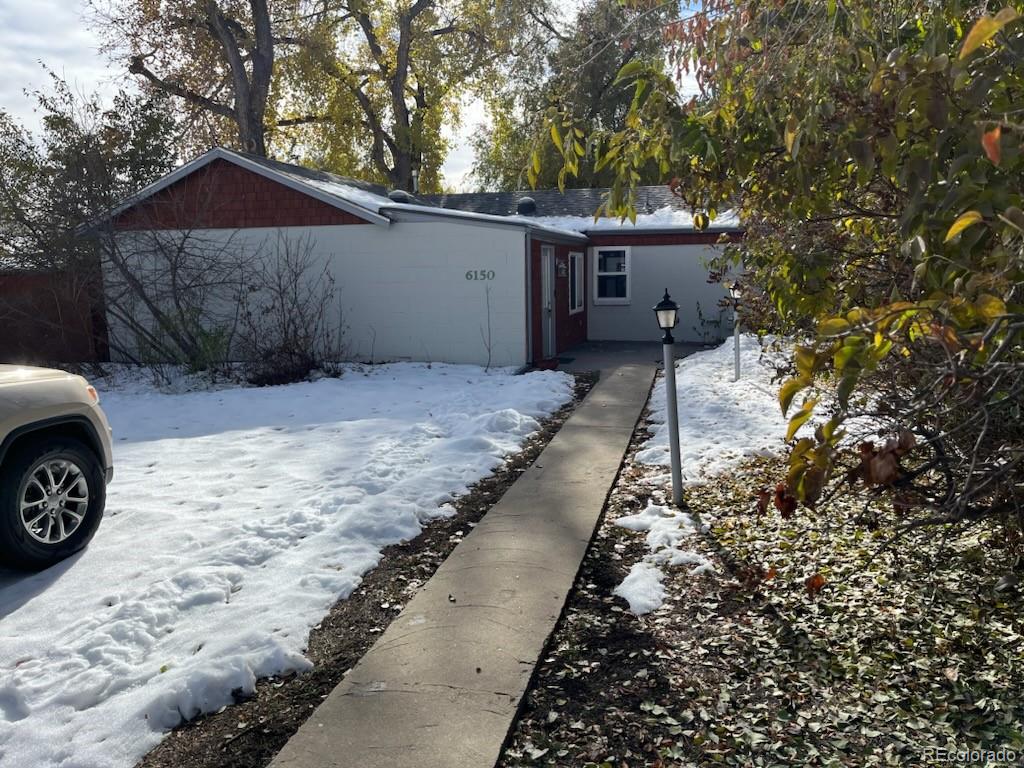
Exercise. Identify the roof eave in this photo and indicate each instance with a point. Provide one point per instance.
(663, 231)
(468, 217)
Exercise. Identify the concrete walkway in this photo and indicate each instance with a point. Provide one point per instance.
(442, 686)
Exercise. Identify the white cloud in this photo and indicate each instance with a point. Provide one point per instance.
(51, 33)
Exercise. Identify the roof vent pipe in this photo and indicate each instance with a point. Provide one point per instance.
(415, 181)
(526, 206)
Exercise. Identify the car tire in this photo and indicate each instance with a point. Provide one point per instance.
(28, 542)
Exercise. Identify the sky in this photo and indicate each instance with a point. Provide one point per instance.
(54, 33)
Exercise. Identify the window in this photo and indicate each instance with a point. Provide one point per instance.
(611, 275)
(576, 291)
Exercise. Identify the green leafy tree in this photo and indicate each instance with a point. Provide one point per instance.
(87, 157)
(873, 152)
(578, 75)
(216, 57)
(363, 87)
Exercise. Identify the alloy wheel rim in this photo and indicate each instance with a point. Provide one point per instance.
(53, 500)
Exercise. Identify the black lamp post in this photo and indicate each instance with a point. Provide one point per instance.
(667, 312)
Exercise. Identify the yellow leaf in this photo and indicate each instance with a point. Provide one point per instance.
(556, 137)
(789, 389)
(800, 418)
(990, 307)
(833, 326)
(844, 355)
(1006, 15)
(984, 29)
(792, 124)
(805, 359)
(963, 222)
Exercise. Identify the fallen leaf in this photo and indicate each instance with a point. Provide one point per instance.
(814, 584)
(784, 501)
(763, 498)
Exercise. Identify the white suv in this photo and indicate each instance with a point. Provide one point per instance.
(55, 462)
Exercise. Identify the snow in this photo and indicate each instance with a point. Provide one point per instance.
(349, 193)
(642, 588)
(666, 217)
(379, 204)
(569, 226)
(721, 422)
(235, 520)
(667, 529)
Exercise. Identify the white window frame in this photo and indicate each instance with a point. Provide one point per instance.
(581, 282)
(595, 255)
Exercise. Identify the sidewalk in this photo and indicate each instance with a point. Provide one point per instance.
(442, 685)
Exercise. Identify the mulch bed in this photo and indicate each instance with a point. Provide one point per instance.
(599, 694)
(809, 644)
(251, 732)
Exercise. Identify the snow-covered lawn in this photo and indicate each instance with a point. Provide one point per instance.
(721, 423)
(235, 520)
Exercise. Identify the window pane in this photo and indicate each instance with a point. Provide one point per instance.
(613, 287)
(611, 261)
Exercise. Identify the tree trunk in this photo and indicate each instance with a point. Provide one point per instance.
(405, 137)
(250, 90)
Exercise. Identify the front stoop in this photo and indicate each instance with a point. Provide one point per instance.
(442, 686)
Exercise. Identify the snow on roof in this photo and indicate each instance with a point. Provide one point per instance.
(663, 218)
(343, 189)
(349, 194)
(527, 221)
(371, 200)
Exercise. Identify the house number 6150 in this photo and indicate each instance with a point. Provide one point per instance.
(480, 274)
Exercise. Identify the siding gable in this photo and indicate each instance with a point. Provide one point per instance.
(222, 195)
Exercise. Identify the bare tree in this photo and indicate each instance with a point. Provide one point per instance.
(286, 325)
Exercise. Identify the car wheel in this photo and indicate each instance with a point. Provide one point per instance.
(52, 495)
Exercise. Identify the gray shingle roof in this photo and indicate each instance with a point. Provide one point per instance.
(315, 174)
(551, 202)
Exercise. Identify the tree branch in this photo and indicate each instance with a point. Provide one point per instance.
(138, 67)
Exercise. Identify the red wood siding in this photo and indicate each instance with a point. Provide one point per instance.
(677, 238)
(570, 330)
(222, 195)
(51, 317)
(536, 316)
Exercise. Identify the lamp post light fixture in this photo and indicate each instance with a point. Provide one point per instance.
(667, 312)
(735, 292)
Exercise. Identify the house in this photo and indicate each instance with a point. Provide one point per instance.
(512, 278)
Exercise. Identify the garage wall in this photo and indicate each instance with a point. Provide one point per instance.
(681, 269)
(403, 292)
